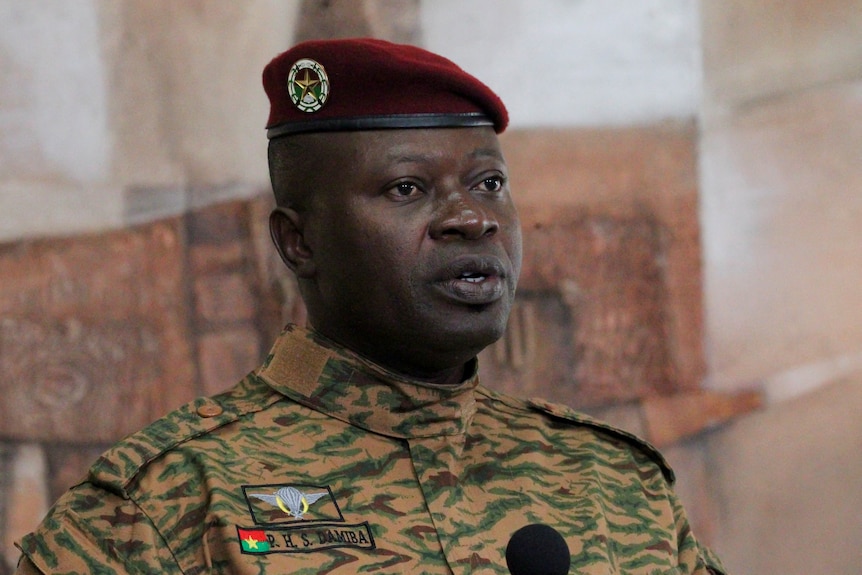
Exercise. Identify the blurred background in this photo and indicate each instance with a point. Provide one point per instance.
(689, 176)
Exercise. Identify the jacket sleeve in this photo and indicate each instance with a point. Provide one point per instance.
(695, 558)
(92, 530)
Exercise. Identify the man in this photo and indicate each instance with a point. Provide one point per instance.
(365, 442)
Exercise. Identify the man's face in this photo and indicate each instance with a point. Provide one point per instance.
(416, 245)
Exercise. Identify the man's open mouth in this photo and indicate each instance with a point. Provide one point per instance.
(472, 277)
(475, 279)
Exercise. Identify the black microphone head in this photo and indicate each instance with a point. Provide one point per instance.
(537, 549)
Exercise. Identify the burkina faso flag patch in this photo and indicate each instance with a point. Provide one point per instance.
(253, 540)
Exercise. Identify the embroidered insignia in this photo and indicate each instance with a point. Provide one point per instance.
(305, 538)
(308, 85)
(281, 524)
(291, 500)
(291, 503)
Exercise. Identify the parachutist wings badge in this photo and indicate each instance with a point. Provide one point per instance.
(291, 500)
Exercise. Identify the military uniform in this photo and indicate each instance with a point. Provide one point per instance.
(321, 461)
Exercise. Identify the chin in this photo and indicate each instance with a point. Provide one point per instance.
(477, 333)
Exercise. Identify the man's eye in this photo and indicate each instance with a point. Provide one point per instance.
(494, 184)
(405, 190)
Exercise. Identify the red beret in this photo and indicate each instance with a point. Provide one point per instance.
(369, 84)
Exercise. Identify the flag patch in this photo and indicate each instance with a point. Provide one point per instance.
(253, 540)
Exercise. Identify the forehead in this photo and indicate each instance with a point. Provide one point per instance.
(434, 144)
(378, 148)
(422, 135)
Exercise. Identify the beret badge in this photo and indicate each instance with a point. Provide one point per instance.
(308, 85)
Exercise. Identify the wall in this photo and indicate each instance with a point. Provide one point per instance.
(115, 113)
(781, 174)
(688, 176)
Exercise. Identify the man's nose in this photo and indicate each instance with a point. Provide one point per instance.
(462, 216)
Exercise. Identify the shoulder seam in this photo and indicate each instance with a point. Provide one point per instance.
(566, 413)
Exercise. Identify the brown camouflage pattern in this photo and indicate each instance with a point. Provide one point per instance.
(321, 462)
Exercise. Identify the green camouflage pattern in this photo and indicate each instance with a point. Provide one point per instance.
(321, 462)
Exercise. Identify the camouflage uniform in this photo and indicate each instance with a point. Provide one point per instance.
(320, 462)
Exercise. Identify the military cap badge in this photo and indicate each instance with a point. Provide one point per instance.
(308, 85)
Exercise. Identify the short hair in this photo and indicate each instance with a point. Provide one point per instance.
(286, 156)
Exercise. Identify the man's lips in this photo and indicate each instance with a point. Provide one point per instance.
(474, 279)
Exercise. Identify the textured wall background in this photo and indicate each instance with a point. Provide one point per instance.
(688, 177)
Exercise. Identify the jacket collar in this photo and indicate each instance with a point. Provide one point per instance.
(318, 373)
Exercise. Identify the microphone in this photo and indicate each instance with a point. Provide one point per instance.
(537, 549)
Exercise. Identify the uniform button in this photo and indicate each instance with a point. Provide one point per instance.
(210, 410)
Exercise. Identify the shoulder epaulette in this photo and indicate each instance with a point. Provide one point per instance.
(117, 468)
(563, 412)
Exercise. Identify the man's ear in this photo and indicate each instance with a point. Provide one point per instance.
(286, 229)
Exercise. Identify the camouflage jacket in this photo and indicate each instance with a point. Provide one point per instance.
(321, 462)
